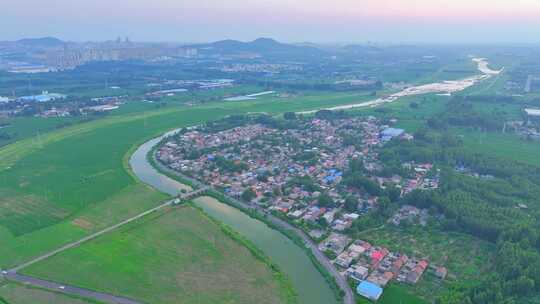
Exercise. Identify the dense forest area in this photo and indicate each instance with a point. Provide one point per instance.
(489, 197)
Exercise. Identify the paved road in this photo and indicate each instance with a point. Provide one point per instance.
(106, 230)
(72, 290)
(321, 258)
(104, 297)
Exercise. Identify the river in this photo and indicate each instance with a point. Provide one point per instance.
(292, 260)
(446, 87)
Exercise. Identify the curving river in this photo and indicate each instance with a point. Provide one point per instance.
(292, 260)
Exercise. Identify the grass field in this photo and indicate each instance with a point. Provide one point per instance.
(398, 294)
(24, 127)
(175, 256)
(508, 146)
(75, 181)
(14, 293)
(71, 171)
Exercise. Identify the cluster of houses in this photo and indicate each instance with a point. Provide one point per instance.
(298, 171)
(410, 214)
(373, 267)
(266, 68)
(290, 170)
(173, 87)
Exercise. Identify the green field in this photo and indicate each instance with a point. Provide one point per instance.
(174, 256)
(14, 293)
(24, 127)
(75, 181)
(508, 146)
(399, 294)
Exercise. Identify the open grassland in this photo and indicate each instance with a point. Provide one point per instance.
(411, 112)
(127, 202)
(465, 257)
(455, 70)
(175, 256)
(14, 293)
(508, 146)
(74, 167)
(398, 294)
(24, 127)
(75, 181)
(47, 185)
(394, 293)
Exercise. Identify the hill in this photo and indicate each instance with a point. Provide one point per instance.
(264, 47)
(41, 42)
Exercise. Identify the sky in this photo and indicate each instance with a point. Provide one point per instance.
(326, 21)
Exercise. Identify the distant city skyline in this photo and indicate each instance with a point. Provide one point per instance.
(457, 21)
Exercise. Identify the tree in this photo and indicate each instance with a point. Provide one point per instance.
(326, 201)
(351, 204)
(393, 192)
(289, 116)
(384, 206)
(248, 195)
(322, 221)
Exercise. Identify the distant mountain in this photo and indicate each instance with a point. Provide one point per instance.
(41, 42)
(265, 47)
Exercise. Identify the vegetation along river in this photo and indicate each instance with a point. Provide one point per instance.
(292, 260)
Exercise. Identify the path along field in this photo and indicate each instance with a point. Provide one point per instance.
(14, 293)
(173, 256)
(75, 181)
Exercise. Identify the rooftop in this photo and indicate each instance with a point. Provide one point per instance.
(532, 112)
(369, 290)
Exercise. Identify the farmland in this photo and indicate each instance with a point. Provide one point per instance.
(75, 181)
(13, 293)
(176, 254)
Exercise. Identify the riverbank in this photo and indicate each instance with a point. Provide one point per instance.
(299, 237)
(446, 87)
(311, 285)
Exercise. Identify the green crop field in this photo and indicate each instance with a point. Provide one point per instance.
(70, 173)
(398, 294)
(509, 146)
(23, 127)
(13, 293)
(75, 181)
(49, 183)
(178, 255)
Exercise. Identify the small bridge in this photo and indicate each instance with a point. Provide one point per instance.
(193, 194)
(190, 195)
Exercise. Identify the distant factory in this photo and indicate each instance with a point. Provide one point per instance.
(45, 96)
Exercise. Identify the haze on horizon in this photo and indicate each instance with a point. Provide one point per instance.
(430, 21)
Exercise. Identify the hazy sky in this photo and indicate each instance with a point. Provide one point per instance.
(481, 21)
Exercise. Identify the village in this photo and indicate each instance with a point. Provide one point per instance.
(373, 267)
(300, 173)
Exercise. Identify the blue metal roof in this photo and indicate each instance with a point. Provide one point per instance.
(369, 290)
(392, 132)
